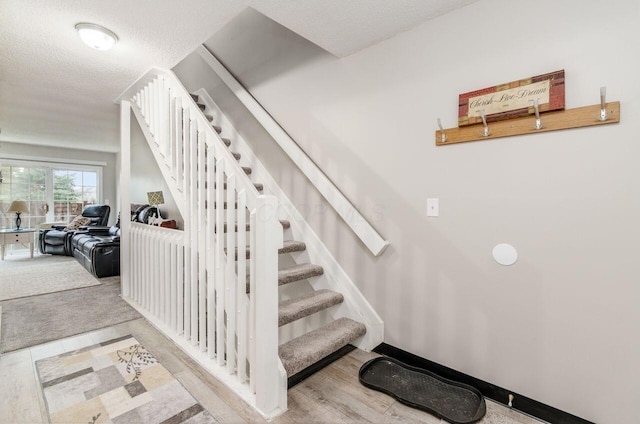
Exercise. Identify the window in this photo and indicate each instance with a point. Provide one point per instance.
(23, 183)
(53, 192)
(72, 191)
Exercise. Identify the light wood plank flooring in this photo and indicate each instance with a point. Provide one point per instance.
(333, 395)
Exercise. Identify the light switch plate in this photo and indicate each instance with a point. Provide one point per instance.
(433, 207)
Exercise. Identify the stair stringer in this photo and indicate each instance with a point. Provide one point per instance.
(355, 305)
(176, 192)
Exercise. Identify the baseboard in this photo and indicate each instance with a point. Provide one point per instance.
(498, 394)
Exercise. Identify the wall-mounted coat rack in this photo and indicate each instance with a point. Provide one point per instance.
(602, 114)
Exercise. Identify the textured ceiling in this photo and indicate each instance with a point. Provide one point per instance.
(54, 90)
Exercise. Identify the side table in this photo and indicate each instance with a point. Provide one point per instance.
(14, 236)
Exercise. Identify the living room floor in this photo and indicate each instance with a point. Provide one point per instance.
(333, 395)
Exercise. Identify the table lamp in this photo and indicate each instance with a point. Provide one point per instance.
(18, 206)
(156, 198)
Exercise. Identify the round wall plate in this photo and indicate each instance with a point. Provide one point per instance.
(505, 254)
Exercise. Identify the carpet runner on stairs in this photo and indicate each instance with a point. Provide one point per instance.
(289, 246)
(298, 272)
(304, 351)
(295, 273)
(308, 304)
(309, 348)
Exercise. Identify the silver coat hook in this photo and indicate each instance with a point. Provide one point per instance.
(443, 136)
(486, 131)
(603, 104)
(536, 108)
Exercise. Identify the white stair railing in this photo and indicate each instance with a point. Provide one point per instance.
(193, 285)
(347, 211)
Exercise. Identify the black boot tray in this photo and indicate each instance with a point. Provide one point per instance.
(454, 402)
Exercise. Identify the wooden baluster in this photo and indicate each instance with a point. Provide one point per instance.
(252, 300)
(179, 146)
(202, 235)
(167, 280)
(155, 275)
(231, 281)
(152, 109)
(212, 234)
(187, 223)
(195, 233)
(146, 106)
(173, 281)
(220, 261)
(241, 287)
(180, 280)
(172, 135)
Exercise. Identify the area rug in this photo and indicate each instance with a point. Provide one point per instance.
(23, 276)
(118, 382)
(30, 321)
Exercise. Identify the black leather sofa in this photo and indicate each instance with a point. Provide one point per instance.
(98, 250)
(56, 241)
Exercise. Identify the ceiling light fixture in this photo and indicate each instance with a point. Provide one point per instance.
(96, 37)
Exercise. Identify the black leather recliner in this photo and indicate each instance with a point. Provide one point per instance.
(56, 241)
(98, 250)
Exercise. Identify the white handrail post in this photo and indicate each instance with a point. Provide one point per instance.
(125, 210)
(268, 238)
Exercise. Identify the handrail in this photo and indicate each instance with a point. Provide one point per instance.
(360, 226)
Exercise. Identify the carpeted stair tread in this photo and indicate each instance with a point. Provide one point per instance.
(289, 246)
(292, 246)
(295, 273)
(299, 272)
(217, 128)
(226, 141)
(309, 348)
(303, 306)
(201, 106)
(194, 97)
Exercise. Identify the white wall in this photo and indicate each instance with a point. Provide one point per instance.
(108, 171)
(559, 326)
(146, 176)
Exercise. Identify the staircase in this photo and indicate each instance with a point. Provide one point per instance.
(307, 349)
(244, 244)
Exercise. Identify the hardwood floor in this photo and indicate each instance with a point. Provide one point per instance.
(333, 395)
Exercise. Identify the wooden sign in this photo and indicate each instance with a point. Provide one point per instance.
(513, 99)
